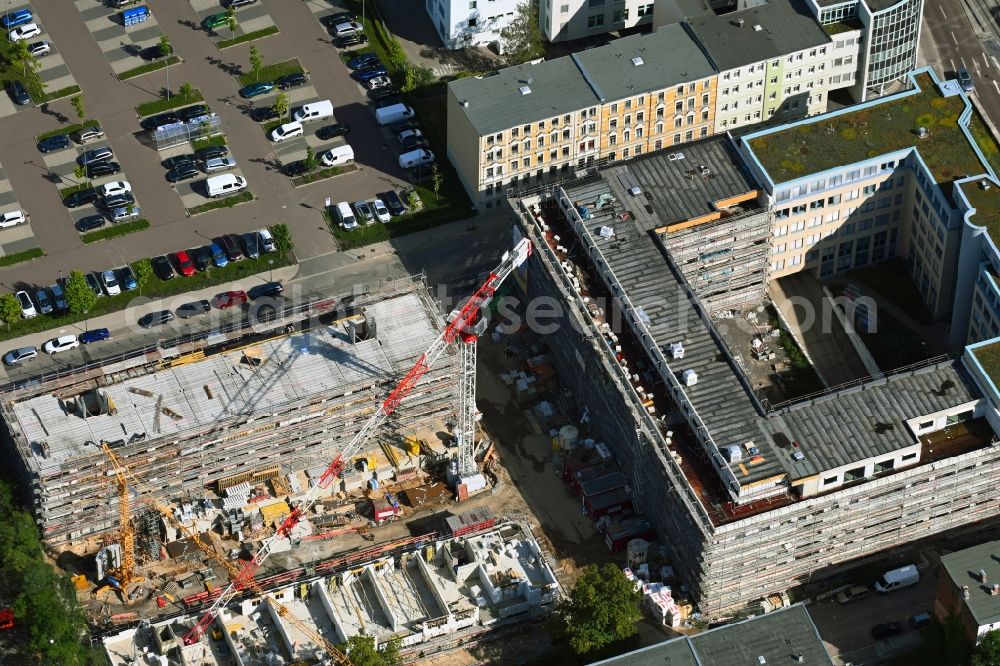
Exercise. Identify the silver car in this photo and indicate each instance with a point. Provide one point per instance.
(20, 355)
(219, 164)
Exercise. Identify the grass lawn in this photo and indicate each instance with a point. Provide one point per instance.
(147, 68)
(66, 191)
(155, 289)
(985, 140)
(891, 281)
(322, 174)
(248, 37)
(68, 129)
(216, 140)
(176, 101)
(52, 96)
(228, 202)
(115, 231)
(866, 133)
(989, 357)
(272, 72)
(19, 257)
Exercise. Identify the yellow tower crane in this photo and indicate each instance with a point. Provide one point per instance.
(123, 576)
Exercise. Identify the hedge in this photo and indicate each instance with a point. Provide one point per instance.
(114, 231)
(68, 129)
(18, 257)
(248, 37)
(146, 69)
(228, 202)
(175, 101)
(272, 72)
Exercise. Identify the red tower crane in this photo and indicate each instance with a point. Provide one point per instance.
(464, 324)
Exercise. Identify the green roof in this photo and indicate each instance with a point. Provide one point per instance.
(963, 568)
(839, 139)
(986, 201)
(989, 357)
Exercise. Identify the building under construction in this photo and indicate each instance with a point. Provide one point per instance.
(220, 414)
(749, 499)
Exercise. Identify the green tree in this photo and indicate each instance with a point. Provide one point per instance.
(186, 91)
(436, 181)
(79, 297)
(311, 161)
(20, 54)
(361, 651)
(165, 47)
(143, 273)
(231, 21)
(80, 172)
(417, 76)
(280, 106)
(522, 39)
(256, 61)
(602, 609)
(77, 103)
(10, 309)
(282, 239)
(988, 651)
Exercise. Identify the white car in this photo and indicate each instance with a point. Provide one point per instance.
(27, 307)
(39, 49)
(115, 187)
(12, 218)
(378, 82)
(110, 283)
(266, 240)
(407, 133)
(381, 212)
(61, 344)
(26, 31)
(286, 131)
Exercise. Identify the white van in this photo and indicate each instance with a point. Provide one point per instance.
(346, 216)
(228, 183)
(393, 113)
(897, 579)
(315, 111)
(338, 155)
(415, 158)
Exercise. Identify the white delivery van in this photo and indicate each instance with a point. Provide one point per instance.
(393, 113)
(346, 216)
(338, 155)
(228, 183)
(315, 111)
(897, 579)
(415, 158)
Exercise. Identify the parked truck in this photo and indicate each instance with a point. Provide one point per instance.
(393, 113)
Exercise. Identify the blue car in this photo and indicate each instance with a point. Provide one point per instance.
(14, 19)
(363, 60)
(95, 335)
(370, 73)
(256, 89)
(53, 143)
(126, 278)
(218, 256)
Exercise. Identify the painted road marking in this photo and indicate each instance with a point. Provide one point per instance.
(953, 38)
(942, 12)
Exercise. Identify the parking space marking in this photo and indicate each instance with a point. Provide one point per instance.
(248, 19)
(21, 237)
(52, 70)
(121, 46)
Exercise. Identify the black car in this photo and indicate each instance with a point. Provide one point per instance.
(155, 52)
(202, 258)
(357, 39)
(263, 113)
(267, 289)
(89, 223)
(94, 282)
(54, 143)
(413, 142)
(291, 81)
(153, 123)
(251, 244)
(177, 160)
(333, 20)
(162, 267)
(18, 93)
(94, 155)
(98, 169)
(332, 131)
(182, 172)
(363, 60)
(392, 202)
(230, 245)
(118, 200)
(886, 630)
(82, 197)
(193, 309)
(189, 112)
(209, 152)
(389, 95)
(156, 318)
(296, 168)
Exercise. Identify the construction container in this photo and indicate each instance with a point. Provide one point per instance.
(618, 533)
(608, 503)
(382, 510)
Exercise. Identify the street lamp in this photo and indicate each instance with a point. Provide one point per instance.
(270, 263)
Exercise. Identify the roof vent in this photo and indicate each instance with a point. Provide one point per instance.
(704, 170)
(760, 659)
(757, 27)
(465, 103)
(739, 22)
(984, 184)
(637, 61)
(798, 456)
(525, 90)
(965, 592)
(675, 156)
(800, 658)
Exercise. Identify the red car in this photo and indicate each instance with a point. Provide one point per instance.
(228, 299)
(184, 264)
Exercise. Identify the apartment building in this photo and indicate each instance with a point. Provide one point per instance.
(462, 23)
(526, 125)
(563, 20)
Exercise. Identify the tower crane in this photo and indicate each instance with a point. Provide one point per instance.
(464, 321)
(124, 575)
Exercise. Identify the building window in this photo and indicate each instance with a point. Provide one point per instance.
(854, 474)
(828, 480)
(595, 21)
(620, 15)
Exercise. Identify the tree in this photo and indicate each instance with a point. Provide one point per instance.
(256, 61)
(988, 651)
(10, 309)
(280, 106)
(77, 103)
(417, 76)
(282, 239)
(186, 91)
(165, 48)
(310, 159)
(603, 608)
(143, 273)
(521, 41)
(231, 21)
(361, 651)
(80, 172)
(436, 181)
(79, 297)
(20, 54)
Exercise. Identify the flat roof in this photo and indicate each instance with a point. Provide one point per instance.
(989, 357)
(986, 201)
(779, 637)
(771, 30)
(581, 80)
(320, 360)
(864, 132)
(963, 568)
(873, 5)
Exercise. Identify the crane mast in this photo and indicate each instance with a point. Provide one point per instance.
(464, 324)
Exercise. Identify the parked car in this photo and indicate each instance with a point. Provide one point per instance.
(886, 630)
(219, 164)
(20, 355)
(12, 218)
(263, 113)
(920, 620)
(89, 223)
(266, 240)
(202, 257)
(357, 39)
(381, 212)
(389, 95)
(364, 212)
(115, 187)
(332, 131)
(193, 309)
(296, 168)
(27, 307)
(109, 281)
(211, 152)
(228, 299)
(18, 92)
(416, 158)
(370, 73)
(88, 134)
(118, 200)
(184, 264)
(54, 143)
(230, 246)
(99, 169)
(153, 123)
(39, 48)
(123, 214)
(58, 297)
(256, 89)
(26, 31)
(156, 318)
(127, 279)
(94, 282)
(100, 154)
(184, 171)
(267, 289)
(346, 28)
(188, 113)
(60, 344)
(363, 60)
(293, 80)
(214, 21)
(219, 257)
(251, 244)
(43, 301)
(286, 131)
(414, 142)
(332, 20)
(16, 18)
(392, 202)
(404, 134)
(95, 335)
(162, 268)
(82, 197)
(853, 593)
(178, 160)
(155, 52)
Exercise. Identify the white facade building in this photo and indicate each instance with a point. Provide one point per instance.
(562, 20)
(462, 23)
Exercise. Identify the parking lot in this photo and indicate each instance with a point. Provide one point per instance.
(122, 45)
